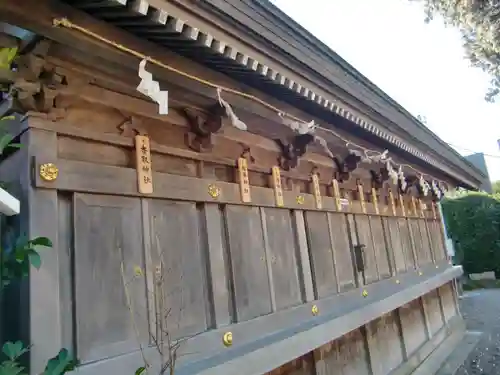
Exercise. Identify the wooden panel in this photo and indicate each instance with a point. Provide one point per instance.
(384, 343)
(365, 238)
(446, 294)
(344, 356)
(397, 246)
(436, 237)
(432, 308)
(426, 243)
(108, 231)
(417, 242)
(413, 326)
(300, 366)
(320, 247)
(282, 250)
(342, 252)
(174, 235)
(388, 242)
(248, 262)
(380, 247)
(406, 243)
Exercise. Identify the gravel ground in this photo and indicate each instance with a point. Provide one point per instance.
(481, 310)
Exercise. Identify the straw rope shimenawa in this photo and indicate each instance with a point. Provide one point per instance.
(64, 22)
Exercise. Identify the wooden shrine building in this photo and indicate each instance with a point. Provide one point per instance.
(276, 214)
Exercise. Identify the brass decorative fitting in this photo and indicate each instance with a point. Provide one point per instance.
(227, 339)
(315, 310)
(48, 172)
(213, 191)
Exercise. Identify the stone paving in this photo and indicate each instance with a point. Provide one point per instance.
(481, 311)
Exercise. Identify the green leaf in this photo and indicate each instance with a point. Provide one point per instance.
(6, 118)
(35, 259)
(40, 241)
(14, 350)
(11, 368)
(140, 370)
(4, 141)
(61, 363)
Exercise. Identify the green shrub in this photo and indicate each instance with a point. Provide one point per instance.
(473, 222)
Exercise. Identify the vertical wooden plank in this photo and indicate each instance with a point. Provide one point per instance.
(277, 187)
(269, 258)
(108, 236)
(433, 310)
(317, 191)
(149, 269)
(447, 302)
(244, 180)
(40, 205)
(282, 258)
(65, 242)
(417, 242)
(413, 326)
(389, 244)
(426, 244)
(175, 246)
(320, 249)
(347, 356)
(143, 164)
(217, 264)
(248, 262)
(336, 194)
(380, 247)
(342, 252)
(397, 245)
(406, 243)
(365, 238)
(303, 255)
(384, 344)
(353, 235)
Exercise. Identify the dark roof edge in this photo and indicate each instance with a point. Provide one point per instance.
(331, 54)
(307, 44)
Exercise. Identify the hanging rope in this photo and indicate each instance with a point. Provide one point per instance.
(287, 118)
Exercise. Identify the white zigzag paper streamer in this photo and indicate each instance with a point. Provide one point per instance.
(235, 121)
(151, 88)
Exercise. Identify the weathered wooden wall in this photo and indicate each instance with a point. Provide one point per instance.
(224, 262)
(386, 345)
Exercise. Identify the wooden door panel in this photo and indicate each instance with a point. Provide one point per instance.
(108, 238)
(282, 250)
(252, 293)
(320, 247)
(174, 235)
(342, 251)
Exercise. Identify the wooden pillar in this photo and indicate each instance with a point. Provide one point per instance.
(45, 320)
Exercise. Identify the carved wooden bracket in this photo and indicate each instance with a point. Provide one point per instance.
(412, 183)
(201, 129)
(132, 127)
(346, 166)
(292, 150)
(247, 153)
(379, 178)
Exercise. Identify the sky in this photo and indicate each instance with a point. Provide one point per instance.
(419, 65)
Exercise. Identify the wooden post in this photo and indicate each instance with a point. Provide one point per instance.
(143, 164)
(392, 203)
(362, 198)
(336, 194)
(375, 201)
(278, 189)
(317, 191)
(244, 180)
(402, 203)
(414, 206)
